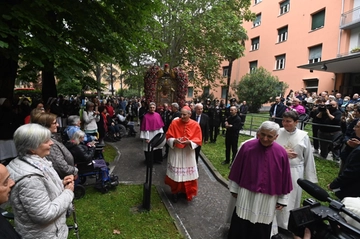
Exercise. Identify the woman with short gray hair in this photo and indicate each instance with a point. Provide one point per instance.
(39, 198)
(74, 123)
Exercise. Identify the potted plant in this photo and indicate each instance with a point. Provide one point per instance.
(355, 50)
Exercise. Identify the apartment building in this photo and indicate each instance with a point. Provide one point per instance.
(305, 43)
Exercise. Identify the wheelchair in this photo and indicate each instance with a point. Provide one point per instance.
(97, 170)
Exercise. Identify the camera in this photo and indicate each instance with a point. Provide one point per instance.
(323, 221)
(322, 108)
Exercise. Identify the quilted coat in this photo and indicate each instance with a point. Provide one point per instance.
(38, 199)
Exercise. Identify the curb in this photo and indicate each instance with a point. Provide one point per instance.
(214, 171)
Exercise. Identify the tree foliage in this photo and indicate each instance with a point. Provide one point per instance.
(258, 87)
(198, 35)
(64, 38)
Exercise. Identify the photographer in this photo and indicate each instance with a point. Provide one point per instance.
(347, 184)
(315, 128)
(329, 119)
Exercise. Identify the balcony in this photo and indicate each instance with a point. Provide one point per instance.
(350, 19)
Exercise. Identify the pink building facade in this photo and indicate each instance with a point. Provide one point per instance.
(307, 44)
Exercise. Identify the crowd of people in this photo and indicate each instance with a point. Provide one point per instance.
(263, 171)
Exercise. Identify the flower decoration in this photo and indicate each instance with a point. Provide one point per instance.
(150, 84)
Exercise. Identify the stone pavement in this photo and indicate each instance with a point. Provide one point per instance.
(204, 216)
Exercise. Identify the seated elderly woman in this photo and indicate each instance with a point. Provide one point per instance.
(39, 199)
(80, 152)
(74, 125)
(83, 153)
(60, 156)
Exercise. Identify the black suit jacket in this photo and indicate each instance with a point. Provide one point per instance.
(280, 109)
(233, 132)
(204, 125)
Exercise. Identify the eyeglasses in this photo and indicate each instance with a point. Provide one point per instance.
(54, 122)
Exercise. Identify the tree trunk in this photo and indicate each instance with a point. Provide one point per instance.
(9, 57)
(228, 81)
(8, 70)
(98, 79)
(48, 82)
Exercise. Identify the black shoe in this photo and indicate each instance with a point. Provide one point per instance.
(158, 161)
(175, 198)
(224, 162)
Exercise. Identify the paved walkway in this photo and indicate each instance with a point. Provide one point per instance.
(204, 216)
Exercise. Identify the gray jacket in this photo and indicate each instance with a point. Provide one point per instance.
(62, 159)
(38, 199)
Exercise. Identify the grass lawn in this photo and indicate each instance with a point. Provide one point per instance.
(116, 214)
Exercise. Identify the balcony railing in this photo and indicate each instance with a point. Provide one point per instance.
(350, 19)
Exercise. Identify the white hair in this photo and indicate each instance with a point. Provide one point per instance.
(269, 125)
(198, 105)
(73, 119)
(77, 135)
(176, 105)
(29, 137)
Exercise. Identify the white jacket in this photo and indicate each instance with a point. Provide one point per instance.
(38, 199)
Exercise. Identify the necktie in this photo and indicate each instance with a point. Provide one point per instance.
(197, 118)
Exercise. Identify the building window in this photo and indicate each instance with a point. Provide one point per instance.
(257, 1)
(253, 66)
(255, 43)
(190, 92)
(311, 85)
(206, 91)
(225, 71)
(315, 54)
(284, 7)
(257, 20)
(280, 62)
(223, 92)
(282, 34)
(318, 20)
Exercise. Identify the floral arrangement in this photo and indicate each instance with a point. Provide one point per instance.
(150, 83)
(182, 85)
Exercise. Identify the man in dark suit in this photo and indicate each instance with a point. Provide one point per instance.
(233, 126)
(276, 111)
(203, 120)
(243, 111)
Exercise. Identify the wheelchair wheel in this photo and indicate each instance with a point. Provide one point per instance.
(82, 179)
(79, 191)
(114, 180)
(104, 190)
(123, 130)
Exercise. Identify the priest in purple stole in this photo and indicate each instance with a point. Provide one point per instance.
(260, 180)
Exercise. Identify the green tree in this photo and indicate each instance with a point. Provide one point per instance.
(200, 34)
(258, 87)
(63, 38)
(72, 87)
